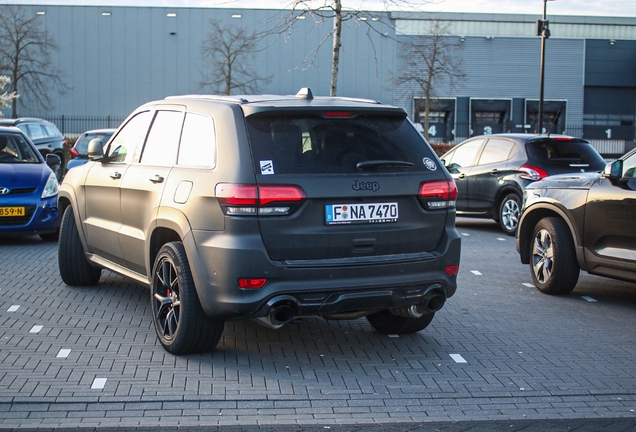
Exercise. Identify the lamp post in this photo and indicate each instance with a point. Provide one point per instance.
(543, 31)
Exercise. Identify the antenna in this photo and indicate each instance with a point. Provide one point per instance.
(556, 116)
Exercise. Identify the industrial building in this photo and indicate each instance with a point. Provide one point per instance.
(116, 58)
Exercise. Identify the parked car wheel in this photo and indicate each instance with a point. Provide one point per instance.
(509, 212)
(74, 267)
(388, 323)
(553, 263)
(181, 325)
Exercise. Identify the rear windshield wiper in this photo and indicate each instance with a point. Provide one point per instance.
(383, 163)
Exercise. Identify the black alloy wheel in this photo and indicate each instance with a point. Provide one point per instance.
(180, 323)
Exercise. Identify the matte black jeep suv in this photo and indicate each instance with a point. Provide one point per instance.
(267, 207)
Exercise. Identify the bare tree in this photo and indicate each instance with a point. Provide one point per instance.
(228, 49)
(6, 98)
(26, 57)
(430, 62)
(332, 10)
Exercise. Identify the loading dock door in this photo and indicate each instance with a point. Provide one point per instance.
(489, 116)
(441, 118)
(553, 115)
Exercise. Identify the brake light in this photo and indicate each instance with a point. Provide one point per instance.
(533, 173)
(338, 114)
(445, 190)
(74, 152)
(252, 283)
(562, 138)
(252, 199)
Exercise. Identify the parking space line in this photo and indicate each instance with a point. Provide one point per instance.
(99, 383)
(466, 234)
(588, 298)
(36, 329)
(13, 308)
(476, 272)
(458, 358)
(529, 285)
(501, 239)
(64, 352)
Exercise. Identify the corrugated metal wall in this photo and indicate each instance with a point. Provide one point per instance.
(116, 62)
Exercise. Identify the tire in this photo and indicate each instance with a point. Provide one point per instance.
(74, 267)
(387, 323)
(181, 325)
(509, 212)
(553, 263)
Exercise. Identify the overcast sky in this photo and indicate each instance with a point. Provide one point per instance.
(534, 7)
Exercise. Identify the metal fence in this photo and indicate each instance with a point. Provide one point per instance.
(73, 126)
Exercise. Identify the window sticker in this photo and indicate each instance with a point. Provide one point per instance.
(267, 167)
(429, 164)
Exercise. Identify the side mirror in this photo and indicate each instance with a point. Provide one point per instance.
(95, 150)
(53, 161)
(614, 170)
(453, 168)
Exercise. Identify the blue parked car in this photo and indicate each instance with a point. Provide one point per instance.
(28, 187)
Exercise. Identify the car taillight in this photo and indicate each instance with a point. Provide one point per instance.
(445, 190)
(452, 270)
(338, 114)
(533, 173)
(264, 200)
(74, 152)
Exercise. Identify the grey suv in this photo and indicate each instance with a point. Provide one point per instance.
(266, 207)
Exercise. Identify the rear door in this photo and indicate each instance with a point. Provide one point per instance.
(486, 177)
(360, 175)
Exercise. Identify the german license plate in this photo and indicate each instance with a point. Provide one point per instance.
(12, 211)
(361, 213)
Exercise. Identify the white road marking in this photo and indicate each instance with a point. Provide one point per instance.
(588, 298)
(36, 329)
(394, 335)
(64, 352)
(466, 234)
(476, 272)
(529, 285)
(13, 308)
(501, 239)
(99, 383)
(458, 358)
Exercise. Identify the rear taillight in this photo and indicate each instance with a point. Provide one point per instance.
(530, 172)
(264, 200)
(452, 270)
(74, 152)
(440, 194)
(252, 283)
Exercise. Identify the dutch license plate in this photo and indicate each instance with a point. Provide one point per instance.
(12, 211)
(361, 213)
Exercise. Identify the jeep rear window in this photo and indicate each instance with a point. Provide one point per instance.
(563, 152)
(313, 143)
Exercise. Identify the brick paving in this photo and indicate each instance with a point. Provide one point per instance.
(87, 357)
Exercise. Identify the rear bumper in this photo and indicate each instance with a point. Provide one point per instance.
(218, 261)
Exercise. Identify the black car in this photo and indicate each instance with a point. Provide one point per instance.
(580, 221)
(79, 152)
(491, 171)
(45, 135)
(265, 207)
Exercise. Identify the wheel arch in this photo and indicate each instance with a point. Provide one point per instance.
(501, 194)
(529, 219)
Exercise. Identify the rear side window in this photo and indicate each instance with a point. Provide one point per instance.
(563, 152)
(496, 150)
(198, 142)
(314, 143)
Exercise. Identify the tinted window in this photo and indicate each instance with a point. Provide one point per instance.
(163, 140)
(563, 152)
(465, 155)
(35, 131)
(496, 150)
(311, 143)
(629, 167)
(129, 137)
(198, 142)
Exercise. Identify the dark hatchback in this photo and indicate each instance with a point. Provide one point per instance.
(79, 152)
(491, 171)
(580, 222)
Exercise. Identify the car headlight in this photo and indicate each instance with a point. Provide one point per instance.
(51, 188)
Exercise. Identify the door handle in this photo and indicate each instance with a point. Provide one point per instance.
(495, 171)
(156, 179)
(462, 176)
(115, 176)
